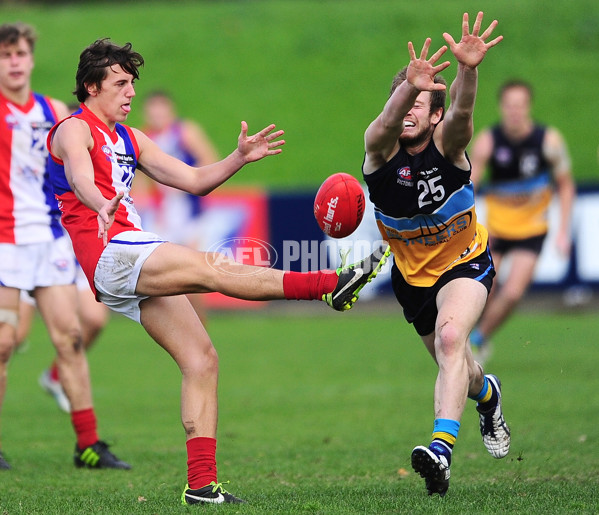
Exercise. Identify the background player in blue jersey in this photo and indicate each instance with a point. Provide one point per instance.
(527, 162)
(418, 177)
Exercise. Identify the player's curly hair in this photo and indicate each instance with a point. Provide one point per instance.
(95, 60)
(10, 33)
(437, 97)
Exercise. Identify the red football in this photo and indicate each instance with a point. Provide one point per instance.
(339, 205)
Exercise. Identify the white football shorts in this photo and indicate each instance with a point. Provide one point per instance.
(118, 270)
(33, 265)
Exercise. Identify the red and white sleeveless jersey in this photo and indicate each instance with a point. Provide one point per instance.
(28, 210)
(114, 157)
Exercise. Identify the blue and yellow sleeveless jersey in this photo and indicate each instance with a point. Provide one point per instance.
(424, 207)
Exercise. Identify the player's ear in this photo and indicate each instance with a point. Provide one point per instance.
(437, 116)
(92, 89)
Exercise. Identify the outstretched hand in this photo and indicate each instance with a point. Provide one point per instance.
(471, 49)
(106, 216)
(261, 144)
(421, 71)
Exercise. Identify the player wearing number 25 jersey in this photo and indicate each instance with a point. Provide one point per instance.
(114, 156)
(418, 177)
(425, 209)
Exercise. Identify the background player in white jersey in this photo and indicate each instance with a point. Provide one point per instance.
(93, 317)
(35, 254)
(172, 213)
(176, 212)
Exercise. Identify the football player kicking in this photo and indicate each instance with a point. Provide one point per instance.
(140, 275)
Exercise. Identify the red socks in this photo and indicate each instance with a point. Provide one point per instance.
(54, 372)
(201, 462)
(84, 423)
(309, 285)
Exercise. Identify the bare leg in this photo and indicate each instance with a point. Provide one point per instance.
(174, 269)
(460, 303)
(197, 301)
(93, 316)
(9, 306)
(58, 307)
(26, 314)
(174, 325)
(505, 297)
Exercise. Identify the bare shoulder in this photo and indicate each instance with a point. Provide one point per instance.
(62, 111)
(482, 143)
(143, 140)
(553, 137)
(192, 131)
(71, 133)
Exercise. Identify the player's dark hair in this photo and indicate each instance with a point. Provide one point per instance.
(437, 97)
(512, 84)
(10, 33)
(95, 60)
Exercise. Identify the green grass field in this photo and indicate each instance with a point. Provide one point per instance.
(321, 70)
(319, 413)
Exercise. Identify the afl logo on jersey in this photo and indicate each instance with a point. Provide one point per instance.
(503, 155)
(107, 151)
(11, 121)
(404, 176)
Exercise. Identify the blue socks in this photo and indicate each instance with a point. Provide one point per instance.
(445, 433)
(487, 398)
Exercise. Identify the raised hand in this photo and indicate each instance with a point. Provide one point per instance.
(421, 71)
(471, 49)
(106, 216)
(261, 144)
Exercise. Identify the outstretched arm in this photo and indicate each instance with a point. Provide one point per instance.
(470, 51)
(202, 180)
(381, 136)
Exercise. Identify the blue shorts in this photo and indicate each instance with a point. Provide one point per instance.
(420, 303)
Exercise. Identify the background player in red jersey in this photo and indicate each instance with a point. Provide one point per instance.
(145, 277)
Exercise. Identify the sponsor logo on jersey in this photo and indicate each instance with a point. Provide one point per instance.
(125, 159)
(46, 125)
(529, 164)
(428, 173)
(432, 235)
